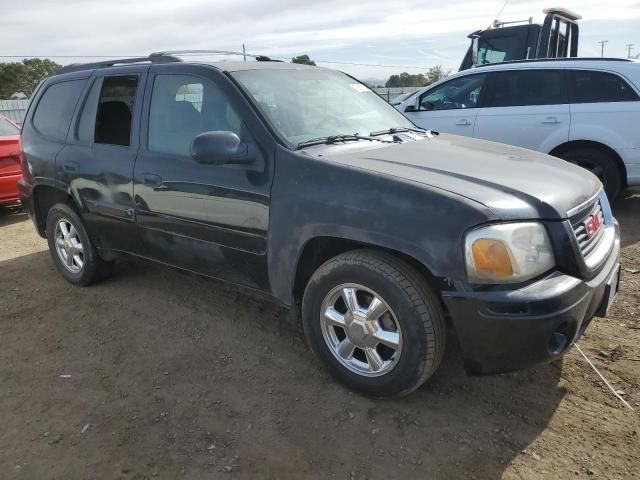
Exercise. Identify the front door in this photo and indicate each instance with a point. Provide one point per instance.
(205, 218)
(449, 107)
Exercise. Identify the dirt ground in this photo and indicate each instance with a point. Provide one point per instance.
(157, 374)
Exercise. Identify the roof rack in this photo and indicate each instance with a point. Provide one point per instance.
(259, 58)
(157, 57)
(153, 58)
(557, 59)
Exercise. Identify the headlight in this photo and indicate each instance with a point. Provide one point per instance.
(508, 253)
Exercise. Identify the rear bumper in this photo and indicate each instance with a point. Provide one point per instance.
(511, 330)
(26, 197)
(9, 188)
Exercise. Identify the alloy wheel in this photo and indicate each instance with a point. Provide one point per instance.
(361, 330)
(69, 246)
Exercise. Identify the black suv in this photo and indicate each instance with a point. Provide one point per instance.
(301, 183)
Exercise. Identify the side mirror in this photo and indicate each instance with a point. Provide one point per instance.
(411, 108)
(221, 148)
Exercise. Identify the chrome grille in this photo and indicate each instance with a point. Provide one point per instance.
(586, 244)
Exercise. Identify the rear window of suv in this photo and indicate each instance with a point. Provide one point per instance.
(55, 109)
(598, 87)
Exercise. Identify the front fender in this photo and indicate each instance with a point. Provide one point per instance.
(315, 197)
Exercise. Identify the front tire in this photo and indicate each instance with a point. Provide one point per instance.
(73, 254)
(375, 323)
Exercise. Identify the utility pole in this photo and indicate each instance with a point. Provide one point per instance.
(602, 42)
(629, 47)
(244, 53)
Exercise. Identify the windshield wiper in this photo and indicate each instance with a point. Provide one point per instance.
(393, 130)
(336, 138)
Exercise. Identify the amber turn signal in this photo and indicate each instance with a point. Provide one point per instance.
(491, 258)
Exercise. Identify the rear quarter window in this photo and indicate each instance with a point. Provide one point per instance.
(598, 87)
(55, 109)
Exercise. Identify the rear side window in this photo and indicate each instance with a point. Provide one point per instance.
(184, 106)
(526, 87)
(597, 87)
(115, 110)
(55, 109)
(7, 128)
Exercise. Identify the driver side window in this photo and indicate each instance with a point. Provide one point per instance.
(183, 106)
(460, 93)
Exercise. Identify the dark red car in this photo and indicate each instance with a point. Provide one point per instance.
(9, 161)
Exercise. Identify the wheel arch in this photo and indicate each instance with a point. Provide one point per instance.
(318, 250)
(45, 197)
(566, 147)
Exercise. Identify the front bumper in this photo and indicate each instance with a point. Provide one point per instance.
(502, 331)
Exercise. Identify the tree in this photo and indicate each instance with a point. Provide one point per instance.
(416, 80)
(24, 76)
(303, 60)
(435, 74)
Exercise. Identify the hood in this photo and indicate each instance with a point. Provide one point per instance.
(513, 182)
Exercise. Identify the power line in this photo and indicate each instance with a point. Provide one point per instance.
(602, 43)
(629, 46)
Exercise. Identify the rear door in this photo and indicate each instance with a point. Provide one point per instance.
(210, 219)
(97, 162)
(606, 109)
(526, 108)
(9, 161)
(451, 106)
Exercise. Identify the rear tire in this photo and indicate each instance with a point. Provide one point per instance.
(411, 325)
(73, 254)
(601, 164)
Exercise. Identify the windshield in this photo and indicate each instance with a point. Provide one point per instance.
(498, 49)
(304, 104)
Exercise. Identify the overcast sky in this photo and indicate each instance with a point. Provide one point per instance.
(405, 33)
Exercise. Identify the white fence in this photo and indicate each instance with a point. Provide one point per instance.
(14, 109)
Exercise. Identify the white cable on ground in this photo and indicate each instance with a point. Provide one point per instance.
(626, 404)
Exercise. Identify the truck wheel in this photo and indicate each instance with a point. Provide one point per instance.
(374, 322)
(73, 253)
(601, 165)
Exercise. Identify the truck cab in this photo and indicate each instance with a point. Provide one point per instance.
(556, 37)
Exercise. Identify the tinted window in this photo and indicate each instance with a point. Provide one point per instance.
(7, 128)
(182, 107)
(55, 109)
(526, 87)
(115, 110)
(459, 93)
(595, 87)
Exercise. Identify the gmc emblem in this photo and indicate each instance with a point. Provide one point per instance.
(593, 224)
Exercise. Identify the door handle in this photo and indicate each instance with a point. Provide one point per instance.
(551, 121)
(70, 167)
(152, 180)
(464, 123)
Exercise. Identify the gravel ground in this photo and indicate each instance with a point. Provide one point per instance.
(157, 374)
